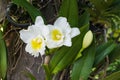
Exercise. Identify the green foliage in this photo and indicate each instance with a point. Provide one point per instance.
(113, 34)
(114, 58)
(33, 12)
(115, 54)
(101, 5)
(3, 57)
(47, 71)
(113, 66)
(103, 50)
(82, 68)
(84, 18)
(69, 9)
(105, 12)
(113, 76)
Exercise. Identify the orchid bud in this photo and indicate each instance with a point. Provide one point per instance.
(87, 40)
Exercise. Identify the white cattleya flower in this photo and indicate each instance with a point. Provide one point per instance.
(33, 37)
(60, 34)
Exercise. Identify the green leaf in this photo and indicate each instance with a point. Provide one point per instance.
(115, 6)
(66, 55)
(69, 9)
(83, 66)
(84, 18)
(98, 6)
(115, 54)
(103, 50)
(31, 9)
(47, 71)
(3, 57)
(101, 5)
(102, 12)
(113, 76)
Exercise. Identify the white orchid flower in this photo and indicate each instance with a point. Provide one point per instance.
(60, 34)
(33, 37)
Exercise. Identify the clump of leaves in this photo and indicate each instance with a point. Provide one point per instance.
(105, 12)
(113, 66)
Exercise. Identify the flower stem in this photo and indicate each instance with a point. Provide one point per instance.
(46, 67)
(79, 54)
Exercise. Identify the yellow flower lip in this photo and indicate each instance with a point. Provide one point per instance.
(56, 35)
(36, 43)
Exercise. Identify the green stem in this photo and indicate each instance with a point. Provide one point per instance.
(79, 53)
(47, 71)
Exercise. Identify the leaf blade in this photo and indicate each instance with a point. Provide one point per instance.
(69, 9)
(3, 57)
(104, 50)
(82, 67)
(113, 76)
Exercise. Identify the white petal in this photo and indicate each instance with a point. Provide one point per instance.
(39, 21)
(67, 41)
(35, 54)
(45, 31)
(75, 32)
(52, 44)
(26, 35)
(42, 52)
(61, 22)
(41, 28)
(51, 27)
(30, 27)
(28, 49)
(67, 30)
(35, 30)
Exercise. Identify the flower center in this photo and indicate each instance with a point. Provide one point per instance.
(56, 35)
(36, 43)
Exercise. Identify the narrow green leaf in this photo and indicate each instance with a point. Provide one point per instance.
(47, 71)
(101, 5)
(113, 76)
(69, 9)
(64, 9)
(103, 46)
(31, 9)
(84, 18)
(3, 57)
(83, 66)
(115, 54)
(103, 51)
